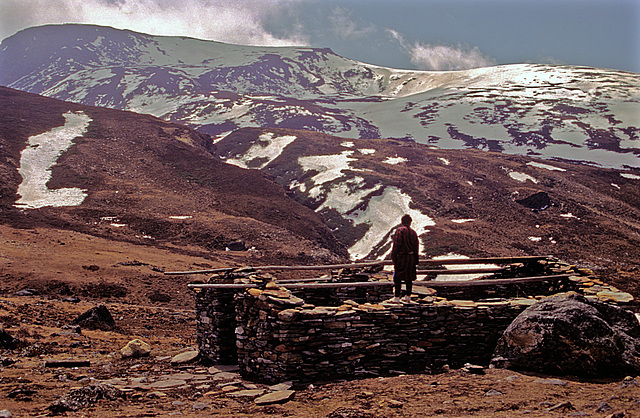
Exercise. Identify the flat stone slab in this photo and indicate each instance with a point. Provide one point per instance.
(275, 397)
(281, 386)
(169, 383)
(225, 376)
(179, 376)
(186, 357)
(249, 393)
(619, 297)
(555, 382)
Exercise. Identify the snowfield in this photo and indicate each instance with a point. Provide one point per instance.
(581, 114)
(40, 156)
(267, 149)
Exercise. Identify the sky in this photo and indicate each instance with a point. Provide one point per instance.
(410, 34)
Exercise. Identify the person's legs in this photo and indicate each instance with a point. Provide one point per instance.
(410, 277)
(408, 280)
(397, 283)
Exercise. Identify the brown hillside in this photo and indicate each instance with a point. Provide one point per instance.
(141, 171)
(592, 218)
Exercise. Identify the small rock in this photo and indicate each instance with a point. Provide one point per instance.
(5, 413)
(566, 405)
(556, 382)
(473, 369)
(136, 348)
(394, 404)
(493, 392)
(629, 382)
(156, 395)
(186, 357)
(349, 413)
(199, 406)
(279, 396)
(71, 299)
(604, 407)
(178, 403)
(6, 361)
(237, 245)
(26, 292)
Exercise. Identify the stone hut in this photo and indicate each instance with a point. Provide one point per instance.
(345, 326)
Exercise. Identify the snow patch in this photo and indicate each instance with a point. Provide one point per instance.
(267, 148)
(462, 221)
(461, 277)
(221, 137)
(535, 239)
(522, 177)
(630, 176)
(568, 216)
(329, 168)
(382, 214)
(367, 151)
(545, 166)
(395, 160)
(40, 156)
(348, 144)
(347, 195)
(444, 161)
(181, 217)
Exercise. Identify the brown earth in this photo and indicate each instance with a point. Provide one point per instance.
(143, 171)
(125, 277)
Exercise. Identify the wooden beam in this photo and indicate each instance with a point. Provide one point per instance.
(430, 283)
(427, 262)
(461, 271)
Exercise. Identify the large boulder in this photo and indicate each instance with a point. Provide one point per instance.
(8, 342)
(98, 317)
(570, 334)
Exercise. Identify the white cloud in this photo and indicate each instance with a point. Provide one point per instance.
(232, 21)
(442, 57)
(343, 26)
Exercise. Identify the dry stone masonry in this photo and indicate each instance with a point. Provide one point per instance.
(274, 333)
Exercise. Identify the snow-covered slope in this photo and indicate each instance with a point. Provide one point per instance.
(460, 200)
(571, 113)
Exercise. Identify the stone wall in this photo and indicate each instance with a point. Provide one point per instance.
(281, 338)
(275, 334)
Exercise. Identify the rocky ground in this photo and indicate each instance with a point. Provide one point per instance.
(82, 272)
(157, 386)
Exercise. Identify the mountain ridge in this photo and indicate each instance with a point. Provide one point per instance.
(574, 113)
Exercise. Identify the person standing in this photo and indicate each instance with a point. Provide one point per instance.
(404, 255)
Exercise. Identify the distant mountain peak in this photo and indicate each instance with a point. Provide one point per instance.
(573, 113)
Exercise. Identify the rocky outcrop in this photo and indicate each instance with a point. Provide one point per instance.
(98, 317)
(571, 334)
(7, 341)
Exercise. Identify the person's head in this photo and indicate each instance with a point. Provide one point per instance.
(406, 220)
